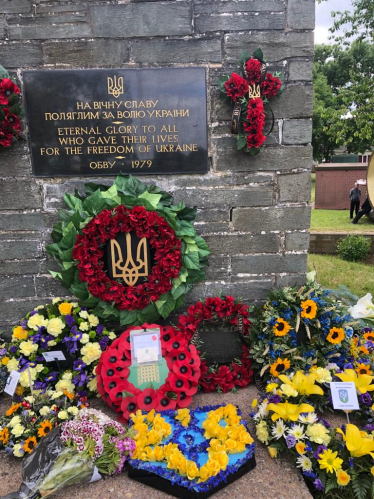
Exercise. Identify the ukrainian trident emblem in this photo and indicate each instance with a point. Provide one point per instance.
(130, 270)
(115, 86)
(343, 396)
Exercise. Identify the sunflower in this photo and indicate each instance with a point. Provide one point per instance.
(364, 350)
(309, 309)
(369, 336)
(30, 444)
(13, 408)
(363, 369)
(44, 428)
(281, 327)
(4, 436)
(336, 335)
(279, 366)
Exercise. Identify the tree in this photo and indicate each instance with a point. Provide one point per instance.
(348, 118)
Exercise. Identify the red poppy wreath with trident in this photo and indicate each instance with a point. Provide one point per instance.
(249, 93)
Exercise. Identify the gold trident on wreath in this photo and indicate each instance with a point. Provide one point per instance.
(115, 86)
(130, 272)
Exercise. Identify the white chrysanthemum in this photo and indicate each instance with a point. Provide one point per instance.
(67, 375)
(309, 418)
(65, 385)
(92, 385)
(36, 321)
(56, 300)
(112, 336)
(56, 395)
(93, 320)
(297, 431)
(18, 430)
(83, 314)
(63, 415)
(44, 410)
(55, 326)
(279, 429)
(27, 348)
(39, 307)
(14, 421)
(304, 463)
(84, 326)
(12, 365)
(90, 352)
(18, 450)
(73, 410)
(51, 343)
(24, 379)
(324, 375)
(85, 338)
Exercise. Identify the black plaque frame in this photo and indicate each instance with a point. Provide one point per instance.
(59, 91)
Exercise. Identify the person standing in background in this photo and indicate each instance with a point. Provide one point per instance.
(355, 196)
(365, 210)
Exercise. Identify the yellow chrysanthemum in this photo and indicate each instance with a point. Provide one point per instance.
(30, 444)
(279, 366)
(329, 461)
(336, 335)
(44, 428)
(281, 327)
(343, 478)
(309, 309)
(363, 369)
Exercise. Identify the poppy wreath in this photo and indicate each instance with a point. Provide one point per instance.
(249, 92)
(10, 110)
(180, 385)
(92, 220)
(221, 378)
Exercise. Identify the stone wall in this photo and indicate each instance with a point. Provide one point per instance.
(253, 211)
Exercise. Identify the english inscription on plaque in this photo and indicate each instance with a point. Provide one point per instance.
(107, 121)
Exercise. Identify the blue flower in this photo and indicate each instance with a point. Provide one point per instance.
(318, 485)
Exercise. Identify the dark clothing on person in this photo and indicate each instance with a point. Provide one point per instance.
(355, 196)
(365, 210)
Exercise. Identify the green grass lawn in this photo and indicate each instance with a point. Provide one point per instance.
(338, 221)
(332, 271)
(313, 192)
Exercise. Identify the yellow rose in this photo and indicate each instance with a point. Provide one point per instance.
(28, 348)
(5, 361)
(343, 478)
(173, 460)
(273, 451)
(230, 445)
(222, 458)
(168, 449)
(182, 466)
(19, 333)
(213, 467)
(245, 437)
(204, 474)
(240, 447)
(55, 326)
(192, 470)
(65, 308)
(148, 454)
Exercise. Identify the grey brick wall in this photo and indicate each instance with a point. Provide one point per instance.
(253, 211)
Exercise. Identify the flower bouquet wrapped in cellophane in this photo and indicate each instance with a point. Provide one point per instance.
(86, 448)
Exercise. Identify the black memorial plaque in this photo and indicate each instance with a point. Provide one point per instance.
(107, 121)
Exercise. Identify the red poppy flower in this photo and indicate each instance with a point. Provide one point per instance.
(270, 86)
(253, 71)
(148, 399)
(177, 383)
(255, 107)
(7, 88)
(128, 406)
(5, 138)
(11, 120)
(255, 140)
(184, 400)
(165, 403)
(236, 87)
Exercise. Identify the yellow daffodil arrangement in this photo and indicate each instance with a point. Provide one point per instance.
(33, 417)
(298, 328)
(60, 325)
(196, 449)
(338, 461)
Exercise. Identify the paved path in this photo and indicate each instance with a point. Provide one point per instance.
(271, 478)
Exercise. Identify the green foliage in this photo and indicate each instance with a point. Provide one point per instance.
(353, 248)
(130, 192)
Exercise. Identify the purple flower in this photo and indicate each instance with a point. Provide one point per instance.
(39, 358)
(24, 324)
(290, 441)
(369, 427)
(318, 484)
(78, 365)
(33, 313)
(12, 349)
(44, 341)
(365, 398)
(324, 422)
(80, 379)
(72, 341)
(100, 329)
(70, 321)
(3, 351)
(320, 449)
(51, 377)
(274, 399)
(104, 342)
(350, 462)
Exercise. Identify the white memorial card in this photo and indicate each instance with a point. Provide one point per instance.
(146, 346)
(344, 396)
(12, 382)
(55, 355)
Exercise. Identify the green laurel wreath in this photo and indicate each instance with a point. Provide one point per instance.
(130, 192)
